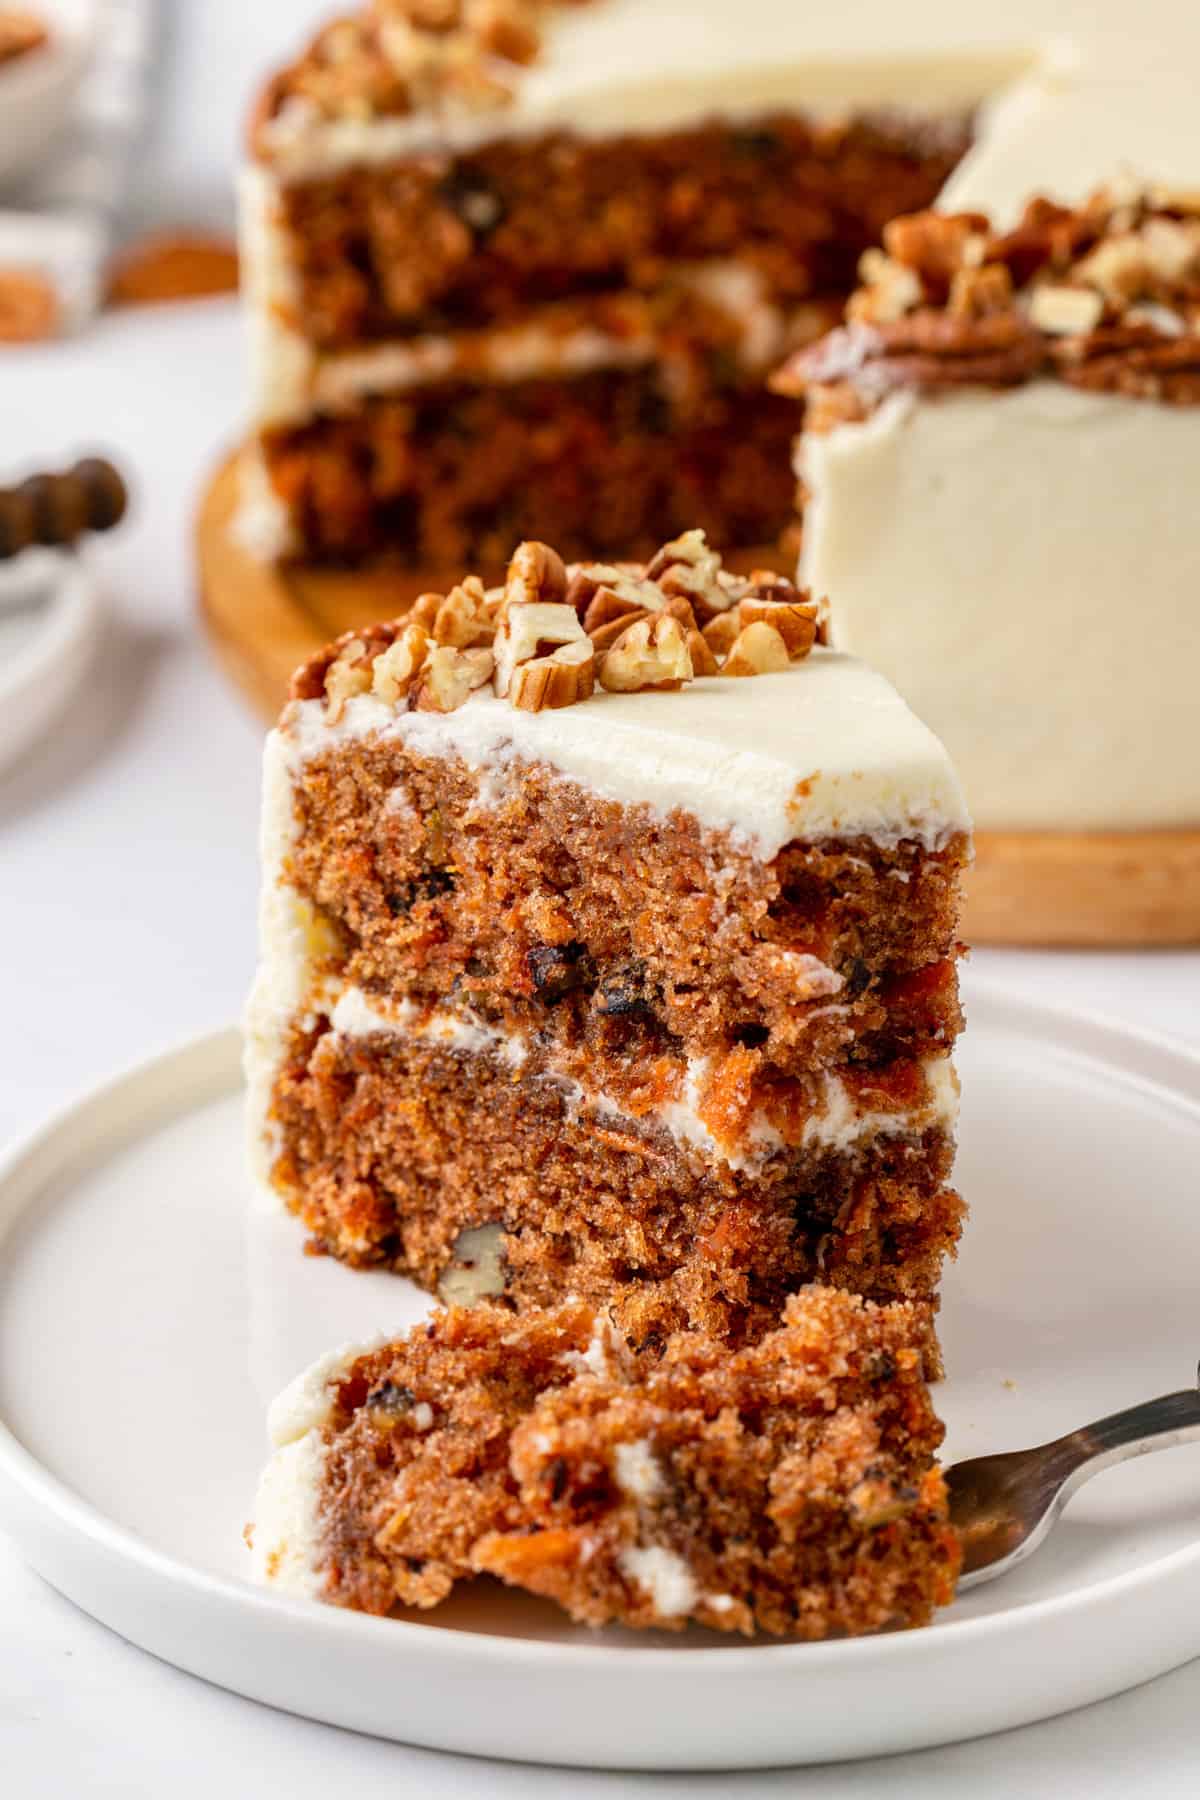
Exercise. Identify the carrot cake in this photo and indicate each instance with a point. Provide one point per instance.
(999, 452)
(608, 947)
(787, 1488)
(501, 283)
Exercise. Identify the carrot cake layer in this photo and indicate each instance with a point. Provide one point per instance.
(443, 200)
(606, 912)
(789, 1488)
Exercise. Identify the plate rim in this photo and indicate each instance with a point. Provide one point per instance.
(216, 1054)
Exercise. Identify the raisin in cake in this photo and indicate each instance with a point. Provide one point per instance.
(788, 1488)
(608, 947)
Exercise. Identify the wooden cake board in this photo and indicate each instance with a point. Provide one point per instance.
(1080, 889)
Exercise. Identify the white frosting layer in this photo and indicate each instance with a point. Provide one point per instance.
(825, 749)
(292, 380)
(287, 1539)
(1025, 567)
(837, 1121)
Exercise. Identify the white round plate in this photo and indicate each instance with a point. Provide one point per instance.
(45, 648)
(148, 1311)
(37, 91)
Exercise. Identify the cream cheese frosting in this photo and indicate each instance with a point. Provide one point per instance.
(1023, 565)
(825, 749)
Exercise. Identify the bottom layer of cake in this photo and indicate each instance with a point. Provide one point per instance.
(601, 465)
(787, 1488)
(479, 1182)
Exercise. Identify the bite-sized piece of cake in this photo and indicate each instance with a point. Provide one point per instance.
(526, 267)
(787, 1488)
(608, 933)
(998, 461)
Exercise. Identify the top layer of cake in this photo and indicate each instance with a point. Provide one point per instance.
(599, 69)
(818, 747)
(404, 76)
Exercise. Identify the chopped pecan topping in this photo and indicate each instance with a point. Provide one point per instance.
(953, 303)
(618, 626)
(399, 56)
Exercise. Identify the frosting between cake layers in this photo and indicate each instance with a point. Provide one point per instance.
(835, 1123)
(1044, 545)
(825, 749)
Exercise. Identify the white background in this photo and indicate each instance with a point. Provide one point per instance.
(127, 888)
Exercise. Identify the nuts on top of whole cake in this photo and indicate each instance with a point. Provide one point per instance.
(1105, 296)
(551, 634)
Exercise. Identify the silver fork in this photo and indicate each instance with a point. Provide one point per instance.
(1005, 1506)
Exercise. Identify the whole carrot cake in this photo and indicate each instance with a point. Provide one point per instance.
(608, 948)
(523, 267)
(787, 1488)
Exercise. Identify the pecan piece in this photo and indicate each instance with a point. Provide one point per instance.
(758, 649)
(533, 630)
(565, 676)
(536, 573)
(399, 665)
(450, 677)
(651, 654)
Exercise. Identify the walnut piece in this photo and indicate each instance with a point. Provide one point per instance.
(476, 1271)
(653, 653)
(531, 630)
(568, 674)
(450, 677)
(758, 649)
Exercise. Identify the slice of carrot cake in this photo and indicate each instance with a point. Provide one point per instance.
(787, 1488)
(525, 267)
(608, 948)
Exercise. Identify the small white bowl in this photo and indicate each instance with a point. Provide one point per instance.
(38, 90)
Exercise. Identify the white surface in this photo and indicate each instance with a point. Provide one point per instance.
(148, 1311)
(129, 868)
(980, 548)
